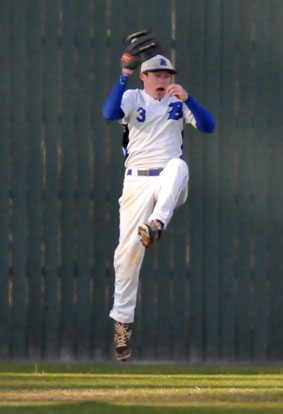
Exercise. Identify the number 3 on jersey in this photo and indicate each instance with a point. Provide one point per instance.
(176, 111)
(141, 117)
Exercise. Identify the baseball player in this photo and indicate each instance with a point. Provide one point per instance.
(156, 176)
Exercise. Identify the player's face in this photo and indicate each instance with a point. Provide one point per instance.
(155, 83)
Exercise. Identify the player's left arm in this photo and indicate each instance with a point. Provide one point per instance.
(204, 119)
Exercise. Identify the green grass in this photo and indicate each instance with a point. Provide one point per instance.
(139, 389)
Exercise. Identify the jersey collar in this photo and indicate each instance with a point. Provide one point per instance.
(150, 99)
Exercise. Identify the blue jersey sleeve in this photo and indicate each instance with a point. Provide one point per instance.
(112, 107)
(204, 119)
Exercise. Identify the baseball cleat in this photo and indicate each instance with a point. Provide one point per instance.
(122, 338)
(150, 232)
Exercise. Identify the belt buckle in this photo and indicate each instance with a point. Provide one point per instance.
(145, 173)
(155, 172)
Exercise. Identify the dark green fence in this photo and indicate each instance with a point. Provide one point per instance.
(212, 288)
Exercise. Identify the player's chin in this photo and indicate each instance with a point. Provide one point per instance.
(160, 93)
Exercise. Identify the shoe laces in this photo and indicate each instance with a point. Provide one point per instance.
(122, 334)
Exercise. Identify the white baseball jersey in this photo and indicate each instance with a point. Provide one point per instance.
(155, 128)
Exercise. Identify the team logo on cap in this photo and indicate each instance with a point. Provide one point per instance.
(162, 62)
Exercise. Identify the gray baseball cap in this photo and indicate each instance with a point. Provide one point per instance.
(156, 63)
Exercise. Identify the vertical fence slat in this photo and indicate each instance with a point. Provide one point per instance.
(4, 175)
(162, 26)
(275, 241)
(180, 221)
(228, 179)
(101, 297)
(67, 190)
(34, 176)
(197, 229)
(212, 184)
(83, 133)
(19, 219)
(148, 15)
(164, 316)
(244, 216)
(148, 286)
(51, 180)
(114, 157)
(147, 308)
(132, 11)
(261, 177)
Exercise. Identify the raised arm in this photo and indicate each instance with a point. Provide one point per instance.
(112, 107)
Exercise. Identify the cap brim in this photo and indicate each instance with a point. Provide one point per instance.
(173, 71)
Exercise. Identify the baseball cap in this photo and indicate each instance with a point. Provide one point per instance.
(157, 62)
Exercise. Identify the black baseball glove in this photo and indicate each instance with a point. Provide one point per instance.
(139, 47)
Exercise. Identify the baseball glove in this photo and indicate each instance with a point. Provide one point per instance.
(139, 47)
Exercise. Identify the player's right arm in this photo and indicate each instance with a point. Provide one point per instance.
(112, 108)
(136, 45)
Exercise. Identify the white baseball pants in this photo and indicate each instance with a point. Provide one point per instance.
(144, 198)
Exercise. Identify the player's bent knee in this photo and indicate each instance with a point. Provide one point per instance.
(178, 165)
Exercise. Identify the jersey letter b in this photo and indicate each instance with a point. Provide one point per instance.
(176, 111)
(141, 117)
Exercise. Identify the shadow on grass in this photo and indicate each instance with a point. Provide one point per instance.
(116, 368)
(125, 387)
(104, 408)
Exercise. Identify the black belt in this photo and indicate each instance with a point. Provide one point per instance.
(146, 173)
